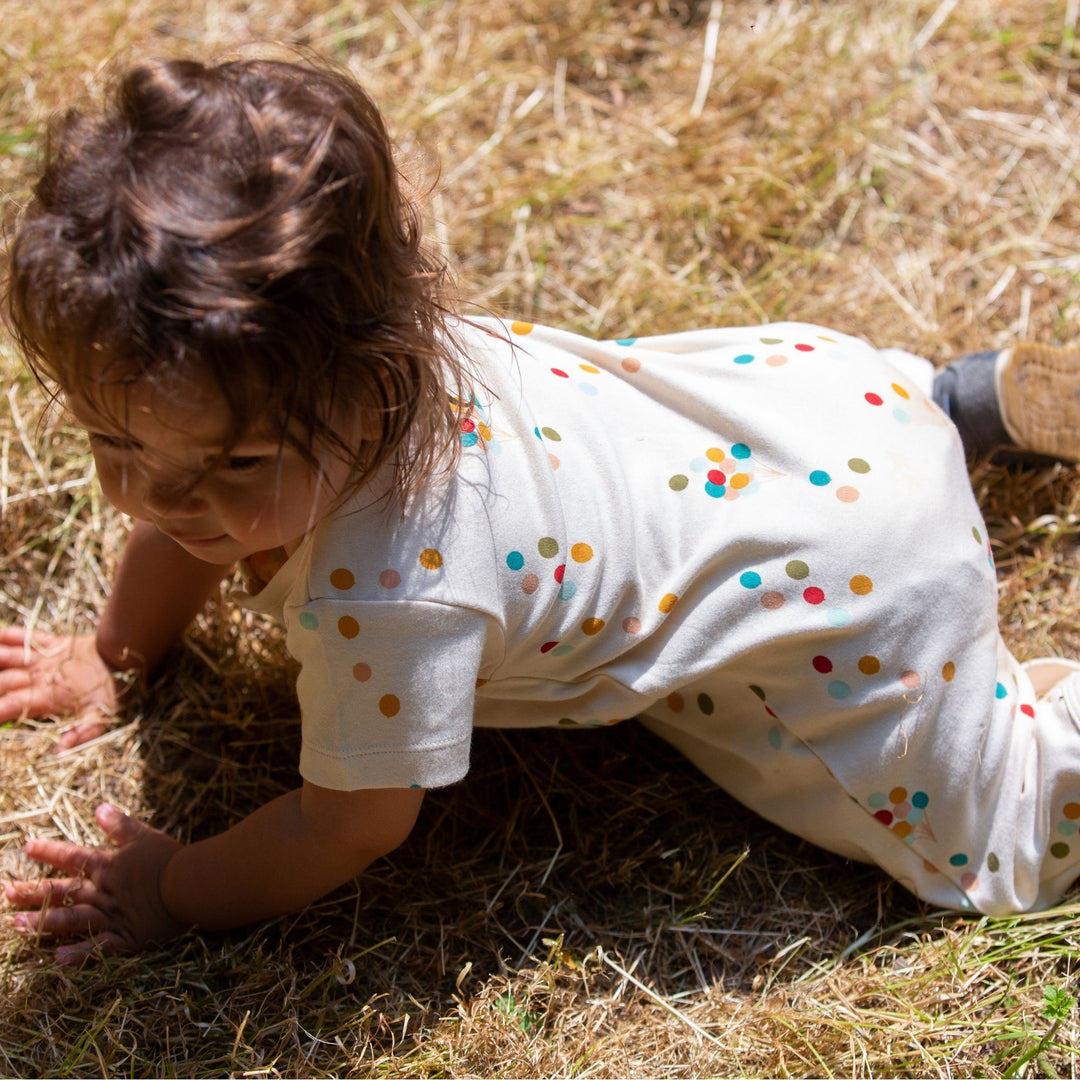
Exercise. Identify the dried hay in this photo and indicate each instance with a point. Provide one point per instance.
(582, 904)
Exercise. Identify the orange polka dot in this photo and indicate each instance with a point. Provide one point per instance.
(632, 365)
(929, 867)
(581, 553)
(948, 672)
(713, 454)
(592, 626)
(389, 705)
(901, 391)
(342, 578)
(902, 829)
(431, 558)
(869, 665)
(668, 602)
(521, 327)
(348, 627)
(861, 585)
(1071, 810)
(361, 672)
(898, 795)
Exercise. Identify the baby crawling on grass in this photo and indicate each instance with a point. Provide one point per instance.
(760, 541)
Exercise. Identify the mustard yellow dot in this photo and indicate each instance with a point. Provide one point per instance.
(431, 558)
(902, 829)
(592, 626)
(897, 795)
(389, 705)
(714, 454)
(348, 627)
(861, 585)
(668, 602)
(589, 368)
(342, 578)
(948, 672)
(485, 431)
(521, 327)
(1071, 810)
(581, 553)
(869, 665)
(739, 480)
(901, 391)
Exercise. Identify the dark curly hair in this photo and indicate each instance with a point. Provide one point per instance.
(244, 223)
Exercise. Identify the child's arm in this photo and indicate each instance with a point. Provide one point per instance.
(149, 888)
(159, 589)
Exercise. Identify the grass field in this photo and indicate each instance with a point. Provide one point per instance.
(583, 904)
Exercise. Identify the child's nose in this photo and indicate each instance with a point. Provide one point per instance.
(171, 497)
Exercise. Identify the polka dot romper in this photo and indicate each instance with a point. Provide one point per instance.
(762, 541)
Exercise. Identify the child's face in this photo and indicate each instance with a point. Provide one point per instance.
(159, 459)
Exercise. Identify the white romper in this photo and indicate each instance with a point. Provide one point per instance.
(760, 540)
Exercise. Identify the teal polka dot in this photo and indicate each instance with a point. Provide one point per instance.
(839, 689)
(1001, 692)
(562, 650)
(775, 739)
(878, 800)
(740, 450)
(567, 590)
(745, 358)
(750, 579)
(715, 490)
(1067, 828)
(959, 859)
(920, 800)
(838, 616)
(469, 438)
(625, 340)
(309, 620)
(914, 816)
(515, 560)
(820, 478)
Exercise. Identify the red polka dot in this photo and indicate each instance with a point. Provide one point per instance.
(884, 816)
(675, 702)
(468, 425)
(805, 348)
(1027, 710)
(561, 374)
(548, 646)
(822, 664)
(813, 595)
(717, 477)
(873, 399)
(771, 713)
(560, 572)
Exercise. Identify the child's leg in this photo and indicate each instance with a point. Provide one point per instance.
(1026, 397)
(982, 819)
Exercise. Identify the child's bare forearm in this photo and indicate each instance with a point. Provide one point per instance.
(285, 855)
(159, 588)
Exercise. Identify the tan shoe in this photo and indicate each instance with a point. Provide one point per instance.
(1038, 392)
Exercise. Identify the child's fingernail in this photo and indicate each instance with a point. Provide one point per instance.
(19, 922)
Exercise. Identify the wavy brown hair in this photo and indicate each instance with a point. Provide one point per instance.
(242, 222)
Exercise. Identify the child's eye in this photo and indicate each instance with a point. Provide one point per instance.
(99, 440)
(245, 463)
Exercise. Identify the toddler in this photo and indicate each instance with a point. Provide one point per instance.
(761, 541)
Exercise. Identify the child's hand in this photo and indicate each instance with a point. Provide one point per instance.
(56, 675)
(112, 901)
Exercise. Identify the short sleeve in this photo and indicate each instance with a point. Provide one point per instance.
(386, 691)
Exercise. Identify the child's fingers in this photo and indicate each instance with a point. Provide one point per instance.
(66, 857)
(63, 922)
(52, 892)
(102, 944)
(118, 826)
(82, 732)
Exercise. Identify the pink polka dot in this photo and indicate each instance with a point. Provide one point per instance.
(632, 365)
(776, 360)
(968, 881)
(910, 679)
(813, 595)
(847, 494)
(555, 462)
(389, 579)
(873, 399)
(772, 600)
(529, 584)
(632, 625)
(361, 672)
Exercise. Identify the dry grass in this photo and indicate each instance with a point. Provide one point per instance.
(583, 904)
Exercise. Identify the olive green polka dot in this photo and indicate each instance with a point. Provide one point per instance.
(797, 569)
(678, 482)
(548, 547)
(1059, 851)
(705, 704)
(978, 535)
(551, 433)
(760, 693)
(856, 464)
(993, 863)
